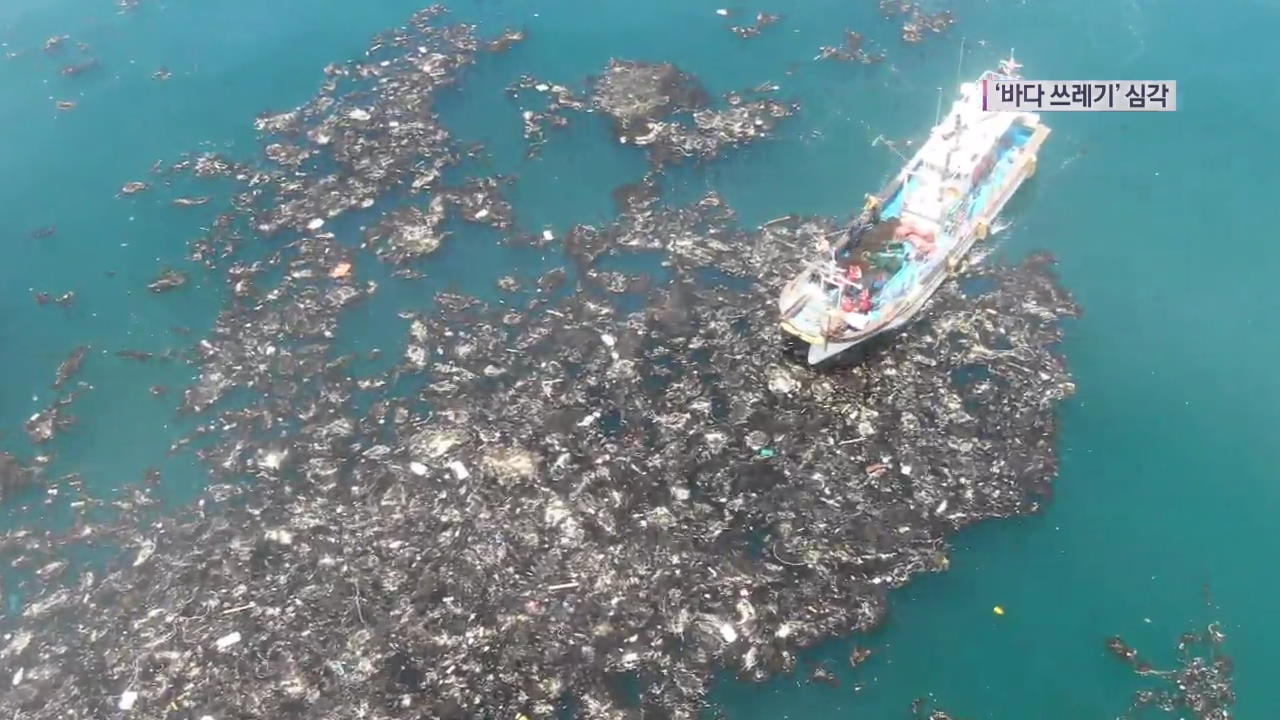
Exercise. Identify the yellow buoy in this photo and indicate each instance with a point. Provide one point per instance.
(997, 610)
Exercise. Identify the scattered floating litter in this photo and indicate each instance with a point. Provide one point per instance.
(997, 610)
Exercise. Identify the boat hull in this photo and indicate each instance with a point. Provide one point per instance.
(829, 332)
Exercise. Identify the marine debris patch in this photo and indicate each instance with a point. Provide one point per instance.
(648, 102)
(572, 490)
(565, 550)
(657, 106)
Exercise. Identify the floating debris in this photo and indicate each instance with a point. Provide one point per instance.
(1202, 685)
(505, 41)
(763, 20)
(917, 21)
(191, 201)
(823, 674)
(65, 105)
(134, 187)
(646, 102)
(70, 366)
(47, 231)
(858, 655)
(850, 51)
(79, 68)
(162, 74)
(167, 280)
(44, 425)
(55, 43)
(558, 100)
(63, 300)
(409, 232)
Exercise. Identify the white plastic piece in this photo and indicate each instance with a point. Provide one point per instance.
(127, 699)
(227, 640)
(459, 470)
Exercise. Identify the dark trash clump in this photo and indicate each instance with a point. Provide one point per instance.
(664, 109)
(638, 94)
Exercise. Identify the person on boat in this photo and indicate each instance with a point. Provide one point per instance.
(863, 304)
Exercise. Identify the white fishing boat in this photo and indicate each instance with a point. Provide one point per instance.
(879, 273)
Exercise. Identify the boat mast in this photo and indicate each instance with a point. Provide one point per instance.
(960, 63)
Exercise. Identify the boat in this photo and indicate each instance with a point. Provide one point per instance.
(878, 273)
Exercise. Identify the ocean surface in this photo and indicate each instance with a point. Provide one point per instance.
(1165, 512)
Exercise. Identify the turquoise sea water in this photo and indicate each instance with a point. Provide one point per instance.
(1160, 221)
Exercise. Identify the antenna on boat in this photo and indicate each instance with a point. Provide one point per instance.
(882, 140)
